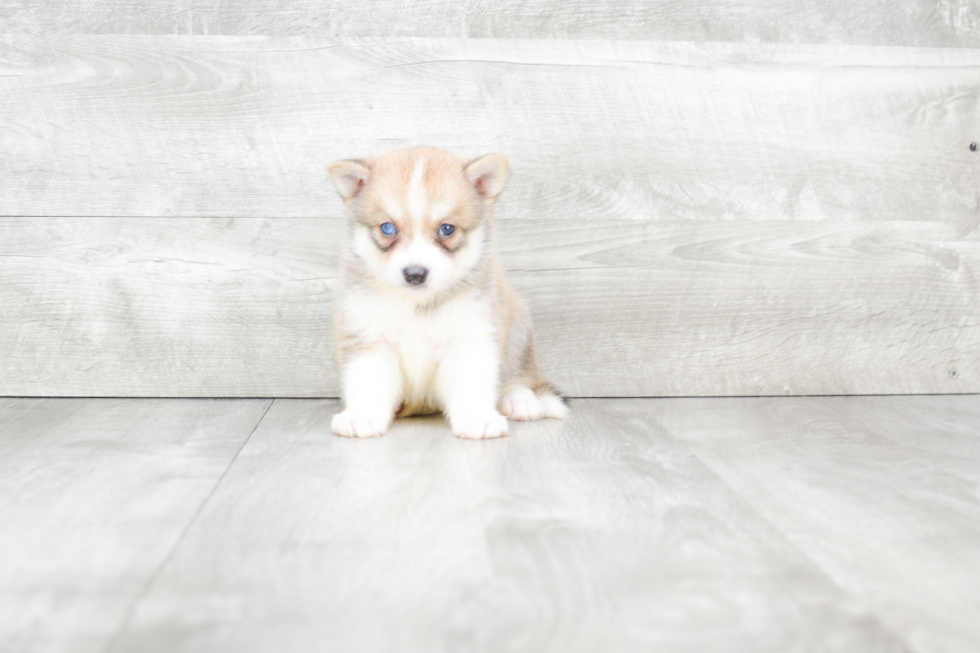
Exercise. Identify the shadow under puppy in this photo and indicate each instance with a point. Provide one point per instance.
(424, 319)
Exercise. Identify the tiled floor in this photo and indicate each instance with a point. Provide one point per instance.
(756, 524)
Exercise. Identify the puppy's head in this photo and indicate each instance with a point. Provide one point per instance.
(420, 216)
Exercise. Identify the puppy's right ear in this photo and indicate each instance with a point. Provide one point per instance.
(349, 177)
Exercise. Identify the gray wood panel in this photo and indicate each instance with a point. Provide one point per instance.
(879, 492)
(603, 533)
(873, 22)
(241, 307)
(151, 307)
(94, 496)
(222, 126)
(715, 219)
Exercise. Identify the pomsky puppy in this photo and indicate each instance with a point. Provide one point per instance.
(424, 320)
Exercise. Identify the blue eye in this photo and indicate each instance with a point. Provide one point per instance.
(447, 230)
(388, 229)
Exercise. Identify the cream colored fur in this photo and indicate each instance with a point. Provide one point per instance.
(460, 342)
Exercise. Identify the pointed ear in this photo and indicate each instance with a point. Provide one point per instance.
(488, 174)
(349, 177)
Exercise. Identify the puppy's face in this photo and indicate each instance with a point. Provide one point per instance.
(419, 216)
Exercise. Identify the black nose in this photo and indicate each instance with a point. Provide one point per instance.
(415, 274)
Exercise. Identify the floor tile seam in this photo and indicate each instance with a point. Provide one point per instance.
(792, 543)
(165, 561)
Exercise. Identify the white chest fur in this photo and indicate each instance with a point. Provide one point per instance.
(420, 339)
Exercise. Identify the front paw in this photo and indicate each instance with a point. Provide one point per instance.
(493, 425)
(360, 424)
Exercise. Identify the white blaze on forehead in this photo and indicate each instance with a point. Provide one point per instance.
(416, 191)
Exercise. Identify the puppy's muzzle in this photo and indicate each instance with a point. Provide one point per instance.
(415, 274)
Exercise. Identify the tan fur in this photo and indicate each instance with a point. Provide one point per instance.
(395, 188)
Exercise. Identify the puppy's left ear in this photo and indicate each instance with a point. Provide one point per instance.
(488, 174)
(349, 177)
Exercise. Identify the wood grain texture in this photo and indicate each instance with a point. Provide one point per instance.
(716, 219)
(870, 22)
(241, 307)
(600, 534)
(879, 492)
(94, 495)
(226, 126)
(150, 307)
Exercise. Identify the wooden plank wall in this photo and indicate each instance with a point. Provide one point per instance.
(699, 205)
(942, 23)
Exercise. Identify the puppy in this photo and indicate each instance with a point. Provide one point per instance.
(424, 320)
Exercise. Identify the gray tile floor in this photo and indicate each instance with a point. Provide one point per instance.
(766, 524)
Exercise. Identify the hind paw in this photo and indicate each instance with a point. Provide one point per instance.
(521, 405)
